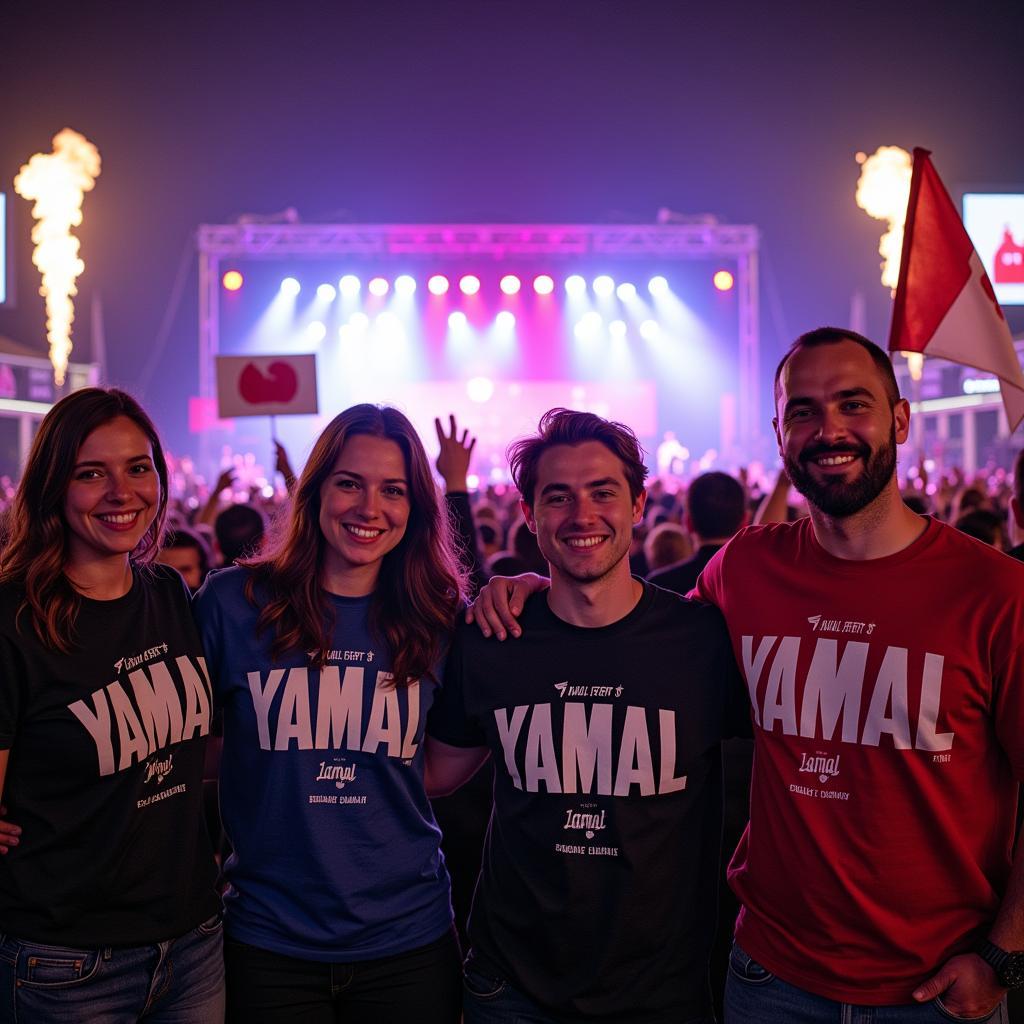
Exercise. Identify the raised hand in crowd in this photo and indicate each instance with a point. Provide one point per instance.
(208, 512)
(454, 455)
(774, 507)
(283, 465)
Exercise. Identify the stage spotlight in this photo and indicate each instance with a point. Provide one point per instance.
(588, 325)
(505, 320)
(315, 332)
(603, 286)
(405, 285)
(617, 328)
(327, 292)
(657, 286)
(349, 286)
(469, 284)
(626, 292)
(723, 280)
(510, 284)
(457, 320)
(438, 285)
(290, 287)
(543, 285)
(378, 286)
(359, 321)
(575, 285)
(232, 280)
(388, 323)
(649, 330)
(480, 389)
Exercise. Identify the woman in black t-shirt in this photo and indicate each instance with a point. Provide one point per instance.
(107, 900)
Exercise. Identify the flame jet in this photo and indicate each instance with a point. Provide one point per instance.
(883, 190)
(57, 182)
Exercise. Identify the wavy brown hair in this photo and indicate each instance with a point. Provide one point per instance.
(35, 546)
(421, 584)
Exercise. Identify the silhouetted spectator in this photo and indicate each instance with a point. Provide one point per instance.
(984, 525)
(187, 552)
(665, 545)
(523, 543)
(715, 510)
(239, 530)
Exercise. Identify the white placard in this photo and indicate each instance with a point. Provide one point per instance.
(282, 385)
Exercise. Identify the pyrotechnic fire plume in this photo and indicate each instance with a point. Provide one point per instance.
(57, 182)
(883, 190)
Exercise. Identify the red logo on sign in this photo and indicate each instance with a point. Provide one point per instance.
(1009, 261)
(279, 384)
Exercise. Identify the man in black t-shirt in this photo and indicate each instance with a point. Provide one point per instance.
(596, 899)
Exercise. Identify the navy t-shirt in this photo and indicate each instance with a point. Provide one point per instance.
(336, 851)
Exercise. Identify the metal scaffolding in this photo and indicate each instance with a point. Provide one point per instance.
(219, 242)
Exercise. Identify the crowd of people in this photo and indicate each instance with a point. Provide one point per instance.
(748, 750)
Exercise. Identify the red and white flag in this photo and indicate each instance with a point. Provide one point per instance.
(945, 305)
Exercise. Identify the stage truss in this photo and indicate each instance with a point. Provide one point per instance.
(219, 242)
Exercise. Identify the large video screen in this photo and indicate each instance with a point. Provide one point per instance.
(995, 222)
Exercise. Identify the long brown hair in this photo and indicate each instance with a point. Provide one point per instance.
(35, 549)
(421, 582)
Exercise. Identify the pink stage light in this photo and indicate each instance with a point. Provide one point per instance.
(438, 285)
(469, 284)
(378, 286)
(510, 284)
(543, 285)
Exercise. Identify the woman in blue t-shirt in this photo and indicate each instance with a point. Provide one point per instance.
(323, 653)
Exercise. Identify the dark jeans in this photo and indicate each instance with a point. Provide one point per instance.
(494, 1001)
(753, 995)
(421, 985)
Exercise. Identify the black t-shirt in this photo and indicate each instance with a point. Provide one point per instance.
(597, 892)
(105, 771)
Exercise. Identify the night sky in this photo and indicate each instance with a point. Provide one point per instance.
(492, 111)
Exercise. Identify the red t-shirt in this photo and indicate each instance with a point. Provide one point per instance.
(888, 705)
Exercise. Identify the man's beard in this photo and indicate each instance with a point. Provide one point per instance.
(833, 495)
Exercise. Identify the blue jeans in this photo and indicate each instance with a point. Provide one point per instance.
(753, 995)
(487, 1000)
(180, 981)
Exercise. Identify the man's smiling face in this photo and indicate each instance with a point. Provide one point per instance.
(836, 427)
(583, 513)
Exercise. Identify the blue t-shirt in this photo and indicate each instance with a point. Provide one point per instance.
(336, 851)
